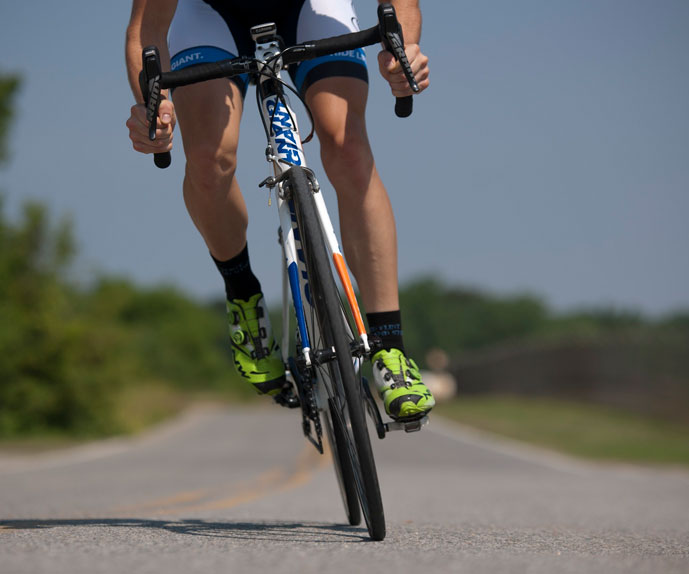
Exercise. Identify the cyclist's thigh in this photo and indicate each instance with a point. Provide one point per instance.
(335, 86)
(208, 113)
(338, 105)
(321, 19)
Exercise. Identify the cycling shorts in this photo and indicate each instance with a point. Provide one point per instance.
(211, 30)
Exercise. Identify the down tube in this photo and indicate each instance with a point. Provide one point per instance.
(287, 216)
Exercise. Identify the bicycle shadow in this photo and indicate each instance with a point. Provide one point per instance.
(314, 532)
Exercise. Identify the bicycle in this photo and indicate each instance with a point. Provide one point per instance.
(331, 342)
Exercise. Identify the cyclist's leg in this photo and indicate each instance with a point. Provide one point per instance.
(367, 223)
(368, 230)
(336, 89)
(209, 116)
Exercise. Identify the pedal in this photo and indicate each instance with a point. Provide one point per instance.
(407, 426)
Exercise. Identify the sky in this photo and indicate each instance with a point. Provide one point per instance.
(549, 156)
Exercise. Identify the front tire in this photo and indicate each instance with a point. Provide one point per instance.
(345, 386)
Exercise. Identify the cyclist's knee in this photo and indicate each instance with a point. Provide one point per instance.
(347, 159)
(210, 170)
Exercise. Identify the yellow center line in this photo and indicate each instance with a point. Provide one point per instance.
(308, 462)
(175, 499)
(276, 479)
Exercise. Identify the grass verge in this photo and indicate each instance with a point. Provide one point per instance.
(585, 430)
(137, 408)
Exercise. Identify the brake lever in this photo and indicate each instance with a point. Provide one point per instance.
(149, 82)
(393, 41)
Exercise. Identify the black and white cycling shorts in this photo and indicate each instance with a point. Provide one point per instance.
(212, 30)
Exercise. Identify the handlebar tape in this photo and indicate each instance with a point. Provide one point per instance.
(317, 48)
(207, 71)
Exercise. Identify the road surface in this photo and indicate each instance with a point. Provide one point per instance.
(229, 490)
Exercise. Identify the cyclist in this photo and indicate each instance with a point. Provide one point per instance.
(335, 88)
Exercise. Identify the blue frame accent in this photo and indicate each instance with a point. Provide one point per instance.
(293, 274)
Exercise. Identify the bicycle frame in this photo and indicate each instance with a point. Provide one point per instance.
(333, 394)
(284, 151)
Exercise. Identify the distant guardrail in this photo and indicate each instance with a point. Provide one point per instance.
(645, 375)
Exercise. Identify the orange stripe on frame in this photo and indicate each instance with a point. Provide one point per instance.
(349, 292)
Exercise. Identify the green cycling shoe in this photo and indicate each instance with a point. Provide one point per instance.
(256, 355)
(398, 381)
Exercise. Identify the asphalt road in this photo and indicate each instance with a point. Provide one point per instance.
(241, 491)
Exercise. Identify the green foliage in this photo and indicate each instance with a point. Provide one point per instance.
(8, 88)
(72, 360)
(455, 319)
(69, 356)
(162, 334)
(677, 322)
(45, 349)
(459, 320)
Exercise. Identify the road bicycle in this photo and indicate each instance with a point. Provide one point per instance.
(324, 359)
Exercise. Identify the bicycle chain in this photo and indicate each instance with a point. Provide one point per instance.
(309, 407)
(311, 412)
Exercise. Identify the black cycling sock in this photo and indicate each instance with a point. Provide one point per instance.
(240, 281)
(386, 326)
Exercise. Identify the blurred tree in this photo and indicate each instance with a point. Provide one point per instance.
(457, 319)
(47, 353)
(8, 88)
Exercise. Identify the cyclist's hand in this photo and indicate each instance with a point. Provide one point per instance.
(391, 70)
(138, 128)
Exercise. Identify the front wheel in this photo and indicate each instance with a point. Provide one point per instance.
(343, 384)
(343, 465)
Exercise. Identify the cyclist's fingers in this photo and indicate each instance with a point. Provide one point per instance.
(148, 149)
(401, 91)
(387, 64)
(391, 70)
(399, 85)
(163, 135)
(422, 77)
(137, 117)
(166, 113)
(163, 131)
(144, 145)
(401, 88)
(418, 60)
(139, 133)
(391, 66)
(139, 128)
